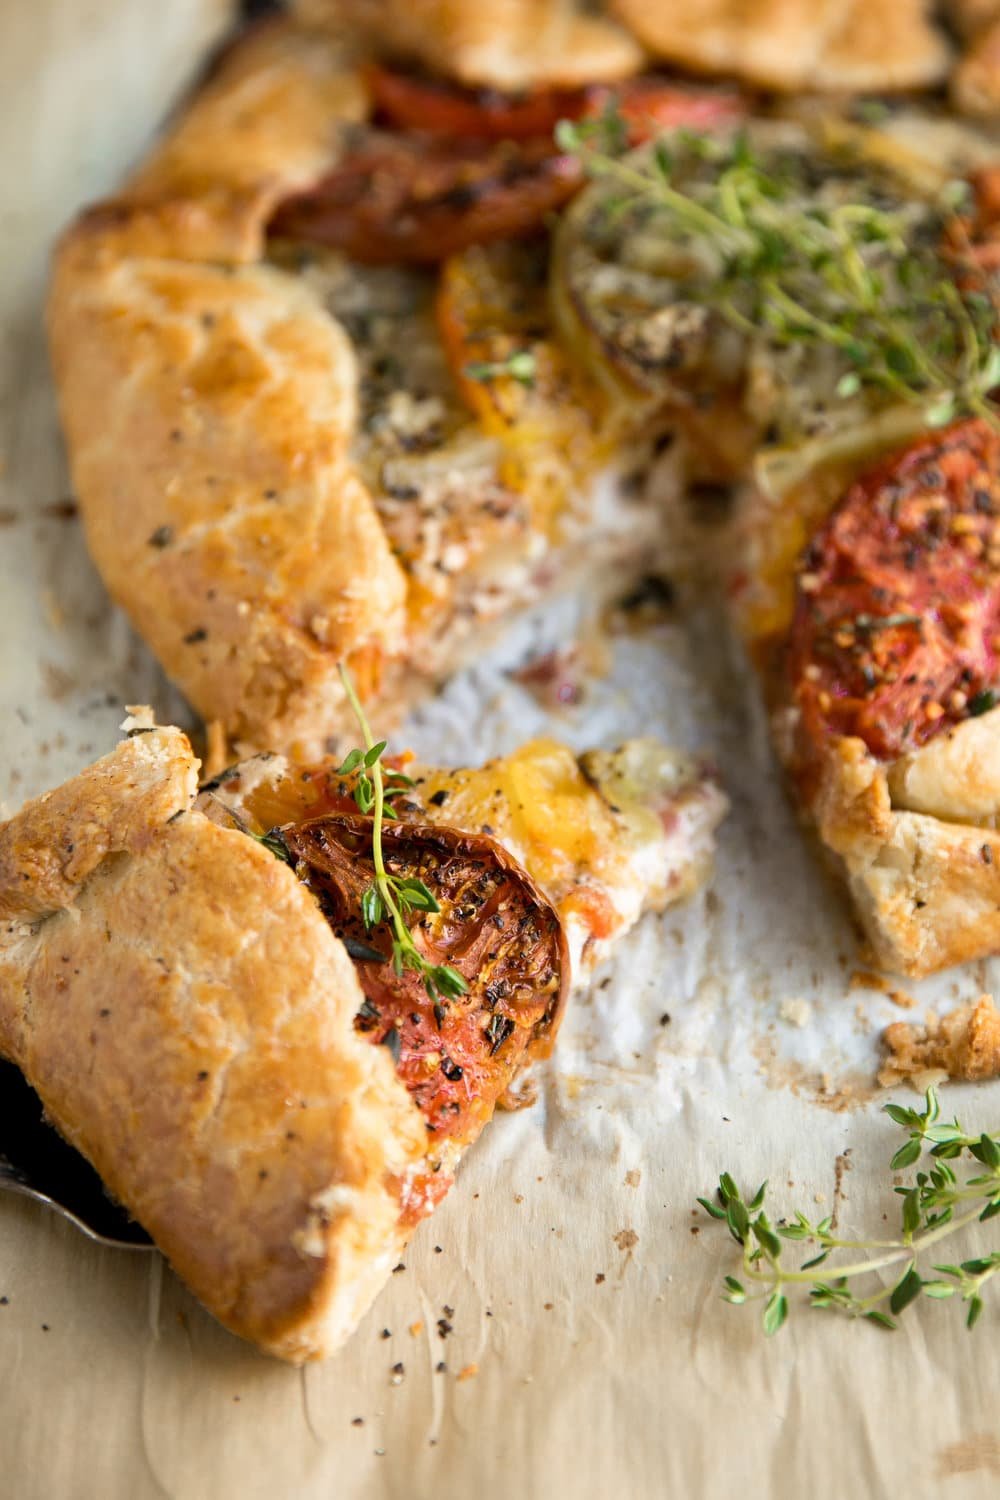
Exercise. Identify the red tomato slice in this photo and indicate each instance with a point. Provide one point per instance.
(411, 102)
(412, 199)
(896, 633)
(492, 924)
(648, 104)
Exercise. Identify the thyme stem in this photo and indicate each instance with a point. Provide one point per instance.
(389, 894)
(375, 771)
(928, 1217)
(885, 284)
(904, 1250)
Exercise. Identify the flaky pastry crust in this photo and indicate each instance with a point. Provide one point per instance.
(926, 888)
(795, 44)
(183, 1009)
(209, 401)
(512, 44)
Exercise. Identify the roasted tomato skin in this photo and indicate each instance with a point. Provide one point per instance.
(650, 104)
(896, 632)
(463, 167)
(411, 101)
(416, 199)
(456, 1057)
(414, 101)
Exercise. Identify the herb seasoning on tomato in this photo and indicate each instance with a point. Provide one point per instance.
(896, 632)
(456, 1055)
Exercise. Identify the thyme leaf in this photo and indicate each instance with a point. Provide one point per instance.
(982, 702)
(391, 898)
(889, 288)
(519, 366)
(936, 1204)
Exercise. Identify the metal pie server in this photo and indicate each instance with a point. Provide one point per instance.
(36, 1162)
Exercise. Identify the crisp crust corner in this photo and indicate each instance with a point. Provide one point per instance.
(52, 846)
(927, 890)
(264, 125)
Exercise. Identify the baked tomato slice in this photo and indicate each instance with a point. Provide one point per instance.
(455, 1056)
(896, 633)
(650, 103)
(415, 101)
(417, 199)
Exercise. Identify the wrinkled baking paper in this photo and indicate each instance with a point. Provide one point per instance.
(585, 1352)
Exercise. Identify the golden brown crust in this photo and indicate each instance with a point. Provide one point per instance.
(970, 16)
(927, 890)
(129, 794)
(209, 406)
(267, 123)
(956, 776)
(975, 83)
(964, 1044)
(509, 44)
(796, 44)
(214, 484)
(182, 1007)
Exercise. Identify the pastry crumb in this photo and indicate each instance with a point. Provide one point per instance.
(467, 1372)
(964, 1044)
(861, 979)
(796, 1012)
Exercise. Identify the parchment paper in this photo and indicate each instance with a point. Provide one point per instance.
(589, 1354)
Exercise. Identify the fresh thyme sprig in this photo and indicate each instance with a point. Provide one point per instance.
(392, 897)
(936, 1204)
(781, 261)
(520, 366)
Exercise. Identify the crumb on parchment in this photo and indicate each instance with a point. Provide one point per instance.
(796, 1012)
(964, 1044)
(863, 979)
